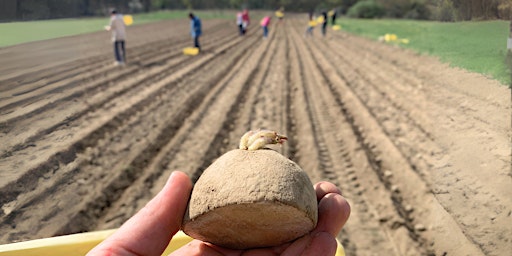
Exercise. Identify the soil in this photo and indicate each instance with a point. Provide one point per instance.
(420, 149)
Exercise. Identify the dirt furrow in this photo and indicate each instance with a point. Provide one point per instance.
(38, 101)
(269, 88)
(319, 135)
(398, 123)
(123, 169)
(66, 104)
(168, 48)
(301, 130)
(37, 63)
(148, 53)
(228, 136)
(28, 138)
(193, 147)
(199, 138)
(433, 160)
(367, 209)
(81, 127)
(30, 81)
(412, 198)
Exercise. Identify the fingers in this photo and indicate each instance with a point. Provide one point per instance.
(333, 209)
(150, 230)
(333, 213)
(201, 248)
(194, 248)
(318, 244)
(322, 244)
(323, 188)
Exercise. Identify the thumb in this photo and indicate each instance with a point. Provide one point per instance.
(149, 231)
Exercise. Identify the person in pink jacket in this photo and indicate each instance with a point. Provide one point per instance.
(264, 24)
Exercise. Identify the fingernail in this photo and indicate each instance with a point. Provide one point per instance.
(171, 177)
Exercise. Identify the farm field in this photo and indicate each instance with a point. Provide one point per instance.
(420, 150)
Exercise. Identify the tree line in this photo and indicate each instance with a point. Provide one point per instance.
(443, 10)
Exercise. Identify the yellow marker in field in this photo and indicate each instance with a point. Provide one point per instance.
(390, 37)
(320, 19)
(404, 41)
(191, 51)
(336, 27)
(128, 20)
(279, 14)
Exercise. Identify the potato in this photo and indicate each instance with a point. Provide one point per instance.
(251, 198)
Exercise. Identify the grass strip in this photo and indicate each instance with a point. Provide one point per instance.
(477, 46)
(29, 31)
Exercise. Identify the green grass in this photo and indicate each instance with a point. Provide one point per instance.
(476, 46)
(21, 32)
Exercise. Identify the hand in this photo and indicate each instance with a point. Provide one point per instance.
(150, 230)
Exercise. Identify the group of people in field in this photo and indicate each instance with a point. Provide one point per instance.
(322, 20)
(243, 21)
(118, 28)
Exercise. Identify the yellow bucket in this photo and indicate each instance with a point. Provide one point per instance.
(191, 51)
(80, 244)
(128, 20)
(404, 41)
(390, 37)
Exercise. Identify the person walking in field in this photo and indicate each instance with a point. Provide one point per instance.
(280, 15)
(324, 23)
(245, 20)
(333, 14)
(311, 25)
(239, 23)
(118, 29)
(265, 22)
(195, 29)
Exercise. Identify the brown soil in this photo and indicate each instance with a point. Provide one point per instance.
(421, 150)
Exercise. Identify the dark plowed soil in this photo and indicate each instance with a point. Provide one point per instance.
(421, 150)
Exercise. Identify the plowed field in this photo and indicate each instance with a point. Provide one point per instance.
(421, 150)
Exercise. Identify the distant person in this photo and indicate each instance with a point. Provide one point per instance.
(245, 20)
(118, 29)
(324, 22)
(311, 25)
(195, 29)
(265, 22)
(239, 23)
(334, 12)
(280, 14)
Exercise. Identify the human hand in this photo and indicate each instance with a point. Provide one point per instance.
(150, 230)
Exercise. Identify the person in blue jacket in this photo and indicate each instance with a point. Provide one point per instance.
(195, 29)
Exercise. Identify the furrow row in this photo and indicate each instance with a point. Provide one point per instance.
(122, 169)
